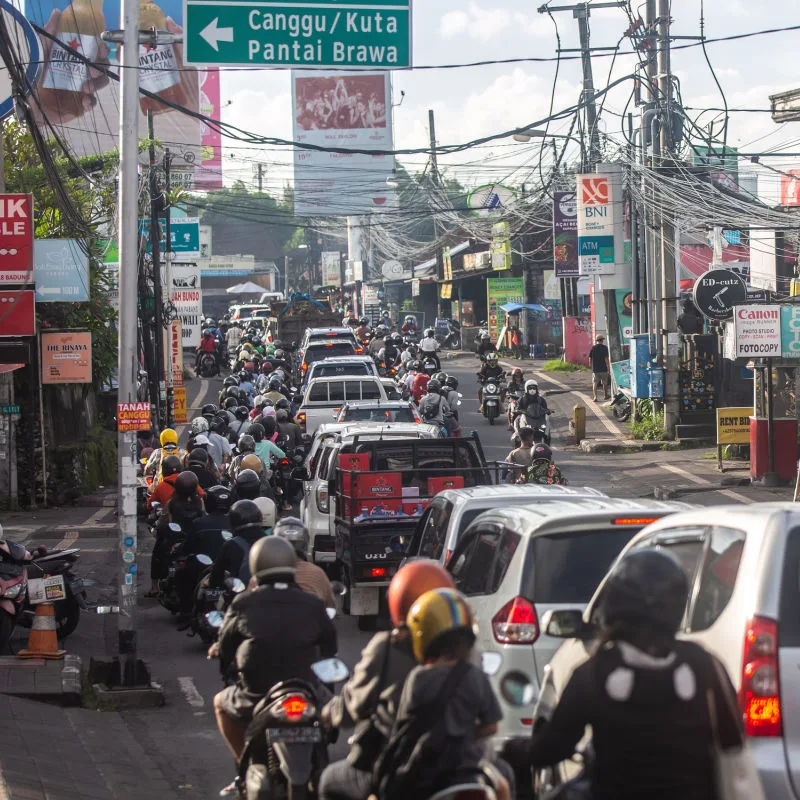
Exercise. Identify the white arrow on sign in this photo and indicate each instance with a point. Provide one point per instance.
(214, 35)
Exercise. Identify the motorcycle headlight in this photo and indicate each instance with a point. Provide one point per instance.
(491, 387)
(12, 592)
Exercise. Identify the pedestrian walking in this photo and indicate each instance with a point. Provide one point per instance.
(601, 367)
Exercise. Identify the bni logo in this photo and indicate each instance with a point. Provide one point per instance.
(594, 191)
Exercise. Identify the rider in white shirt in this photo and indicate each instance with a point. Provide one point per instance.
(428, 346)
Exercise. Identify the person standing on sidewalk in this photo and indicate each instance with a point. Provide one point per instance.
(601, 367)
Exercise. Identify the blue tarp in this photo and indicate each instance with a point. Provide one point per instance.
(514, 308)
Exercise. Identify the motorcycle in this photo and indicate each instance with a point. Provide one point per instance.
(167, 589)
(621, 406)
(541, 427)
(429, 366)
(14, 561)
(449, 335)
(491, 400)
(287, 744)
(513, 397)
(67, 611)
(207, 367)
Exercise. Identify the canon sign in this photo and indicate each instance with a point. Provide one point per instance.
(745, 312)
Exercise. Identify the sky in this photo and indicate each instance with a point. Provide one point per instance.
(479, 101)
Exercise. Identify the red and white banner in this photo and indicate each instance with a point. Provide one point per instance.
(16, 239)
(790, 188)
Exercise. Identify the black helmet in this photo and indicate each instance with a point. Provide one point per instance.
(542, 451)
(451, 382)
(439, 376)
(232, 392)
(647, 587)
(434, 386)
(283, 403)
(198, 456)
(415, 365)
(272, 557)
(295, 532)
(242, 413)
(186, 484)
(247, 444)
(364, 321)
(429, 332)
(244, 375)
(387, 339)
(244, 397)
(248, 484)
(171, 465)
(209, 409)
(218, 425)
(231, 403)
(218, 499)
(244, 514)
(230, 381)
(256, 430)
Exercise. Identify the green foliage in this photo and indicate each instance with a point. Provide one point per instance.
(557, 365)
(100, 459)
(649, 428)
(91, 189)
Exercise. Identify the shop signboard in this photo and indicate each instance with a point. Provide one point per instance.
(133, 416)
(16, 239)
(61, 271)
(565, 235)
(596, 224)
(790, 331)
(67, 357)
(185, 296)
(757, 329)
(500, 291)
(331, 268)
(179, 410)
(717, 291)
(733, 425)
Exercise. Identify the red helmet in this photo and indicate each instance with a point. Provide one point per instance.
(411, 582)
(266, 368)
(249, 366)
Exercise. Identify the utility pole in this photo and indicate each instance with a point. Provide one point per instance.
(669, 289)
(127, 363)
(156, 205)
(437, 182)
(170, 410)
(260, 177)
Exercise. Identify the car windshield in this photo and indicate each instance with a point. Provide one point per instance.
(568, 567)
(321, 351)
(358, 414)
(324, 370)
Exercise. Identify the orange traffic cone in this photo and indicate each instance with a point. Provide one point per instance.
(43, 641)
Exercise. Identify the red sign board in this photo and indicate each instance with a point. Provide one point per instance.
(790, 188)
(133, 416)
(17, 316)
(16, 239)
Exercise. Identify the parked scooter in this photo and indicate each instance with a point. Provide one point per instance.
(621, 406)
(14, 561)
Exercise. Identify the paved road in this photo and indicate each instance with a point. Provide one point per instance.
(181, 740)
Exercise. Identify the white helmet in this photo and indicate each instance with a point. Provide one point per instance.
(267, 509)
(199, 425)
(531, 386)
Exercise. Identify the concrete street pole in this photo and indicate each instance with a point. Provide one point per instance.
(127, 365)
(168, 284)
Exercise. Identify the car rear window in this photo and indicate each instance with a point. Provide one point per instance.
(568, 567)
(357, 414)
(317, 352)
(333, 370)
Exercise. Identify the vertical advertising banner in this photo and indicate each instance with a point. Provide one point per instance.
(331, 268)
(596, 220)
(184, 294)
(175, 336)
(500, 291)
(565, 235)
(209, 175)
(81, 100)
(342, 110)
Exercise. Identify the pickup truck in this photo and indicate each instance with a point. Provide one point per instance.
(325, 397)
(378, 490)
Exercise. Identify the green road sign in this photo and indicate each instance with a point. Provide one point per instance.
(325, 34)
(10, 410)
(184, 233)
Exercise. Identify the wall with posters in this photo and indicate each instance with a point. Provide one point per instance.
(342, 109)
(500, 291)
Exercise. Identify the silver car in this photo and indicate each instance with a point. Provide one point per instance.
(743, 563)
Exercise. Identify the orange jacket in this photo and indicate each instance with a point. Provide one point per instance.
(164, 490)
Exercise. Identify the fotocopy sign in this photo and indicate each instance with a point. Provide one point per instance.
(184, 294)
(565, 235)
(345, 111)
(599, 223)
(758, 331)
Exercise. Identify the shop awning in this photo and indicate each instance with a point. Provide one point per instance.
(246, 288)
(427, 269)
(515, 308)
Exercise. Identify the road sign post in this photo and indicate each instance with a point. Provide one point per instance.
(308, 34)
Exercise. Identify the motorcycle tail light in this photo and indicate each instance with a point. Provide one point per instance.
(293, 708)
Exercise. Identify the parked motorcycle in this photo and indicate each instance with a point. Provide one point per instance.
(14, 561)
(491, 400)
(621, 406)
(449, 336)
(47, 563)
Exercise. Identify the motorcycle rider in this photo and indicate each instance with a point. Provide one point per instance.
(362, 331)
(270, 634)
(219, 447)
(532, 404)
(515, 386)
(368, 701)
(208, 344)
(429, 347)
(308, 576)
(247, 485)
(419, 383)
(171, 467)
(246, 384)
(289, 429)
(522, 456)
(265, 449)
(490, 370)
(169, 447)
(542, 469)
(233, 337)
(378, 342)
(274, 392)
(433, 407)
(247, 528)
(645, 693)
(485, 344)
(452, 397)
(198, 463)
(410, 327)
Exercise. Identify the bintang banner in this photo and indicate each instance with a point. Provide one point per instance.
(342, 110)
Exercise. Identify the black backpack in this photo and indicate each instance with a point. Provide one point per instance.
(420, 754)
(431, 411)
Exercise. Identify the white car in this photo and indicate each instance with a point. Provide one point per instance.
(338, 366)
(315, 505)
(324, 395)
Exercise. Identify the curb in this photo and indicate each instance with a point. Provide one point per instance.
(625, 446)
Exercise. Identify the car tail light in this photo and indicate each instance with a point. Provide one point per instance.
(323, 500)
(759, 696)
(359, 350)
(304, 366)
(301, 419)
(641, 521)
(516, 622)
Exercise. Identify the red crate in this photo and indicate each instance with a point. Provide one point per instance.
(355, 462)
(377, 486)
(436, 485)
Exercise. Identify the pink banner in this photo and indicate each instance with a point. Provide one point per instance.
(209, 175)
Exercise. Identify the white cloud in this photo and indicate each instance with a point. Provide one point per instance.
(476, 22)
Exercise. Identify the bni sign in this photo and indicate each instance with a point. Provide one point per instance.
(322, 34)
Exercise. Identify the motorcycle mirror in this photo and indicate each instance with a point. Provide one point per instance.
(214, 619)
(331, 670)
(226, 535)
(174, 527)
(204, 559)
(338, 588)
(331, 612)
(156, 507)
(491, 662)
(238, 586)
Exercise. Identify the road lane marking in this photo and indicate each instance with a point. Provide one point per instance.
(98, 515)
(703, 482)
(189, 690)
(69, 539)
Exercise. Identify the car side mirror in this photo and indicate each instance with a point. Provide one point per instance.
(565, 623)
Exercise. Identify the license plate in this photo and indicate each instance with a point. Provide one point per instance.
(299, 735)
(46, 590)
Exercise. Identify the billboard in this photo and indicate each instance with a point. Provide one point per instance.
(209, 174)
(83, 102)
(331, 268)
(184, 294)
(342, 110)
(565, 235)
(67, 357)
(500, 291)
(599, 223)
